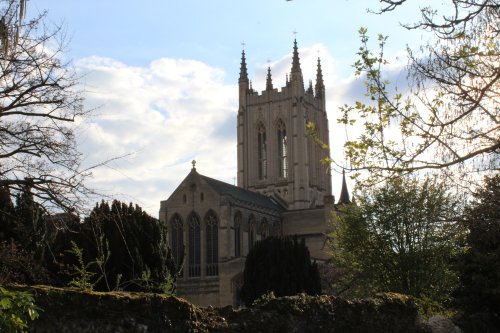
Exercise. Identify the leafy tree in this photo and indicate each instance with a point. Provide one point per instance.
(39, 102)
(16, 307)
(400, 237)
(281, 265)
(449, 119)
(479, 266)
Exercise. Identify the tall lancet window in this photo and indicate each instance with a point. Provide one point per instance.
(251, 232)
(194, 245)
(282, 150)
(177, 239)
(262, 151)
(237, 234)
(212, 244)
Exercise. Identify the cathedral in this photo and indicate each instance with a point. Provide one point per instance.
(282, 189)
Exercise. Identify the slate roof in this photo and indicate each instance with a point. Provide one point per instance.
(243, 195)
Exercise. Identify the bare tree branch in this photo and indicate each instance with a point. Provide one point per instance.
(449, 118)
(39, 102)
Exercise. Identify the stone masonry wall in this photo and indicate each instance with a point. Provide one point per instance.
(68, 310)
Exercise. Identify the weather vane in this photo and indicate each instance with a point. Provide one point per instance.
(243, 44)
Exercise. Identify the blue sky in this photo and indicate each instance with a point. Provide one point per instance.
(162, 76)
(137, 32)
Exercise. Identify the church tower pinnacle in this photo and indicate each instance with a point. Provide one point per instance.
(296, 75)
(243, 69)
(295, 59)
(320, 86)
(269, 80)
(244, 84)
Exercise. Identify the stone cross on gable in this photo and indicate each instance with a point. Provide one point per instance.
(194, 164)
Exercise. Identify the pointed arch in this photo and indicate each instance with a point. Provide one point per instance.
(177, 239)
(264, 228)
(262, 151)
(238, 219)
(194, 245)
(282, 149)
(251, 231)
(211, 243)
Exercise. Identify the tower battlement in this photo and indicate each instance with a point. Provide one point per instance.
(254, 97)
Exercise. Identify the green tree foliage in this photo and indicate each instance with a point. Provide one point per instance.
(281, 265)
(449, 118)
(126, 249)
(16, 307)
(479, 266)
(400, 237)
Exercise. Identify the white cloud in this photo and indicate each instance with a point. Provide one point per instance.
(164, 116)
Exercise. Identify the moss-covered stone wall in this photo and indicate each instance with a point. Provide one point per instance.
(68, 310)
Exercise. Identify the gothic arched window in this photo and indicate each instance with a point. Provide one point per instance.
(237, 234)
(177, 239)
(282, 150)
(262, 151)
(264, 229)
(251, 232)
(194, 245)
(276, 231)
(212, 244)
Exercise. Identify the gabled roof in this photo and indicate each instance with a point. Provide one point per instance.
(242, 194)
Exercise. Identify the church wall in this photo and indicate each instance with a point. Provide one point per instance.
(187, 198)
(194, 195)
(311, 225)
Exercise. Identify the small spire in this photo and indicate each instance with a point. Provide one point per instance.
(296, 74)
(320, 86)
(251, 89)
(269, 81)
(295, 59)
(344, 194)
(243, 68)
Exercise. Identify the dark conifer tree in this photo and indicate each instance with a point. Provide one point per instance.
(7, 223)
(479, 266)
(133, 244)
(281, 265)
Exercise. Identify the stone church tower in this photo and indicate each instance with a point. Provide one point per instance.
(283, 189)
(275, 156)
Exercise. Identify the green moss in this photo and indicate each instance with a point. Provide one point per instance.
(76, 311)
